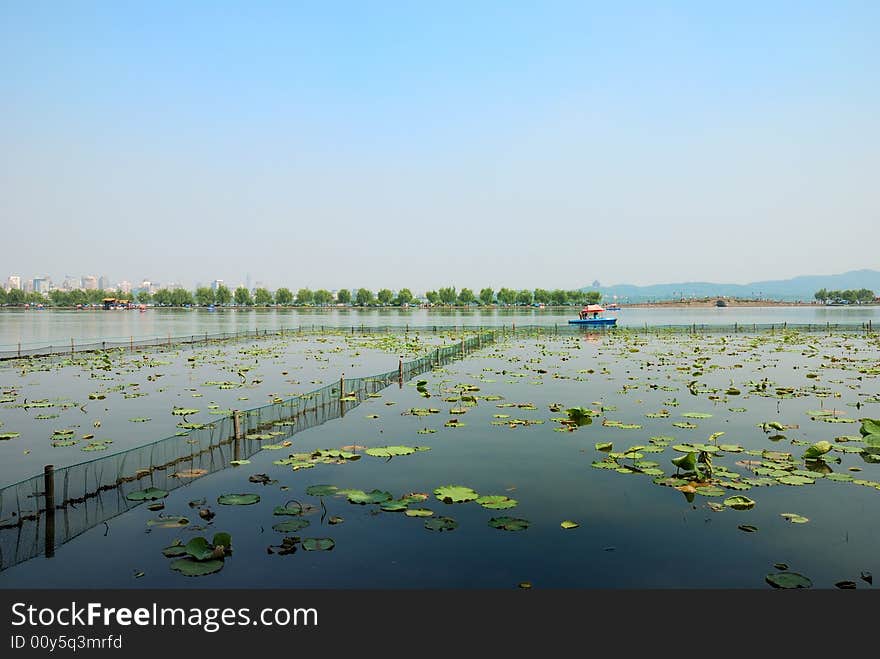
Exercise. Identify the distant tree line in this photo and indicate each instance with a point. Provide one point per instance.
(262, 297)
(860, 296)
(58, 298)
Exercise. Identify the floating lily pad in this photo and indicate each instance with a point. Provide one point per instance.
(496, 502)
(441, 524)
(788, 580)
(291, 525)
(238, 499)
(321, 490)
(363, 498)
(794, 518)
(150, 494)
(318, 544)
(189, 567)
(739, 503)
(419, 512)
(509, 523)
(390, 451)
(568, 524)
(455, 494)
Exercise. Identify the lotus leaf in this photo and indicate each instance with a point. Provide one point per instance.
(441, 524)
(150, 494)
(455, 494)
(509, 523)
(788, 580)
(318, 544)
(192, 568)
(238, 499)
(739, 503)
(496, 502)
(390, 451)
(291, 525)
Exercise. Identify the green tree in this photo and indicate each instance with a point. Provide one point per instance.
(487, 295)
(283, 296)
(448, 295)
(162, 297)
(364, 297)
(542, 296)
(15, 296)
(821, 295)
(432, 297)
(263, 297)
(181, 297)
(524, 297)
(144, 296)
(304, 296)
(243, 297)
(384, 296)
(466, 296)
(592, 297)
(204, 296)
(507, 296)
(323, 297)
(559, 297)
(36, 298)
(864, 295)
(59, 298)
(404, 297)
(222, 295)
(2, 295)
(343, 296)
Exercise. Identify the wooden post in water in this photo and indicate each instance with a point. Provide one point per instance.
(341, 394)
(236, 435)
(71, 346)
(49, 488)
(400, 372)
(19, 348)
(131, 343)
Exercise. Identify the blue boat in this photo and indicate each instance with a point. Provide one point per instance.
(590, 316)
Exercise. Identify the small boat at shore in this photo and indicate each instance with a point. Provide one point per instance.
(613, 307)
(590, 316)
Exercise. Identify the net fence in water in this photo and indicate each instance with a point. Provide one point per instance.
(43, 512)
(73, 346)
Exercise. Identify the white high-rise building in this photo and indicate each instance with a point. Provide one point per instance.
(14, 282)
(217, 283)
(125, 287)
(90, 283)
(42, 284)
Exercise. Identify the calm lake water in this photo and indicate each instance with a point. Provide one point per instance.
(634, 531)
(49, 326)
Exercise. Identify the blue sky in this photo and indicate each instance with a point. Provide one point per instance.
(405, 144)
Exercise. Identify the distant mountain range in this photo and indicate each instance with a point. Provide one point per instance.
(790, 290)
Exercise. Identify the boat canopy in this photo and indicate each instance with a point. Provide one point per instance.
(593, 308)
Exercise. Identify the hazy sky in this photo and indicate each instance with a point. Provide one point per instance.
(419, 144)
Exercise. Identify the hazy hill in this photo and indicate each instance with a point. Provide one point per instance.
(797, 288)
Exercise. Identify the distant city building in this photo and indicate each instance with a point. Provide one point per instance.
(124, 287)
(90, 283)
(217, 283)
(104, 283)
(41, 284)
(28, 286)
(596, 284)
(70, 283)
(14, 282)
